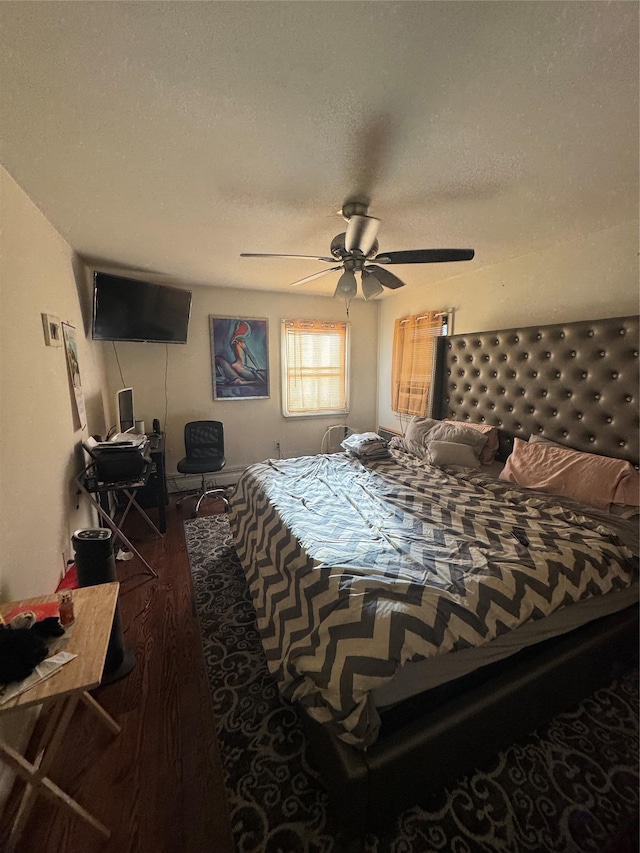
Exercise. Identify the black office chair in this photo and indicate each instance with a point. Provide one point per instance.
(204, 446)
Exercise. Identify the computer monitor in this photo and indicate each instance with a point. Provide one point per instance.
(124, 410)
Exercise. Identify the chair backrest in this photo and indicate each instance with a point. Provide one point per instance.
(204, 440)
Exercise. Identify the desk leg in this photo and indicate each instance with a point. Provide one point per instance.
(162, 514)
(50, 729)
(36, 773)
(107, 719)
(129, 544)
(49, 789)
(134, 502)
(118, 532)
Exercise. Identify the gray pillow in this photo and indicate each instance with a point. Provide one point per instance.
(449, 453)
(421, 432)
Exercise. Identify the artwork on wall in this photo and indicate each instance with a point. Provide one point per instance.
(239, 358)
(73, 366)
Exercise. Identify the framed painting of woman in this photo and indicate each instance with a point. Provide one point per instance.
(239, 358)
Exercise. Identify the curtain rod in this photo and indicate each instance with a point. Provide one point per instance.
(445, 313)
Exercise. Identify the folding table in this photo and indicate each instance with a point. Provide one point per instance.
(94, 608)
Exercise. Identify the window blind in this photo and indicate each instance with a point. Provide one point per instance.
(315, 367)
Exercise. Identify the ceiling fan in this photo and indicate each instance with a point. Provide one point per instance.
(357, 247)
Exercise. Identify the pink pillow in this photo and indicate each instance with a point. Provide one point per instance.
(488, 452)
(628, 489)
(594, 480)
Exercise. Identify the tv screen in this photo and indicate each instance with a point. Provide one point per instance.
(129, 310)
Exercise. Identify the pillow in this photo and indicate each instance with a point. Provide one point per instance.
(449, 453)
(540, 439)
(585, 477)
(421, 431)
(415, 435)
(488, 452)
(627, 492)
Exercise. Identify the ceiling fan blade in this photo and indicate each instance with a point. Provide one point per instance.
(388, 279)
(315, 275)
(425, 256)
(361, 234)
(307, 257)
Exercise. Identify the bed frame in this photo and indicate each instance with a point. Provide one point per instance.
(575, 383)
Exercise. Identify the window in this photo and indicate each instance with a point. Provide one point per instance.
(315, 368)
(414, 344)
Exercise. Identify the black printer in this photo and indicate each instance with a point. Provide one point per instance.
(124, 458)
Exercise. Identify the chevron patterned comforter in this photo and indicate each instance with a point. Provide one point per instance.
(355, 569)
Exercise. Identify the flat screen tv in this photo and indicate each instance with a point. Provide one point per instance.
(128, 310)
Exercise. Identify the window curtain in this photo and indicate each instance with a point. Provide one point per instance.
(315, 366)
(414, 344)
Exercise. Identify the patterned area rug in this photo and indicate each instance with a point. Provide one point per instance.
(569, 787)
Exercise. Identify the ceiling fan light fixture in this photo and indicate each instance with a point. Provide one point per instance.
(370, 285)
(347, 286)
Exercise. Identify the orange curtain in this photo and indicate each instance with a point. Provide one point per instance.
(414, 342)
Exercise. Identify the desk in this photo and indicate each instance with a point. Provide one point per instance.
(98, 493)
(94, 608)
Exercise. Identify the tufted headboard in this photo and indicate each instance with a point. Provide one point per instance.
(574, 383)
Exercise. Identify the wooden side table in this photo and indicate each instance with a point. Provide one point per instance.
(94, 608)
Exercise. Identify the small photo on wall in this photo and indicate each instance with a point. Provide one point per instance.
(239, 358)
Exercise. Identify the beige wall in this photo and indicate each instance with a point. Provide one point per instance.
(39, 440)
(251, 426)
(591, 277)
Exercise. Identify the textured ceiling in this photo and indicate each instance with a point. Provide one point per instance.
(169, 137)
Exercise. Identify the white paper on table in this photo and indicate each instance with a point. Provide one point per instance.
(44, 670)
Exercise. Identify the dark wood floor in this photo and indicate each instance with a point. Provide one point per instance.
(158, 784)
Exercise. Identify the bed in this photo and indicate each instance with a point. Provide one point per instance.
(425, 615)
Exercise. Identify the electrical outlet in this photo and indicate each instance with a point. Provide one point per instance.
(276, 446)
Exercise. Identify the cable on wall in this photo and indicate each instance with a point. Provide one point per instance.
(115, 352)
(166, 392)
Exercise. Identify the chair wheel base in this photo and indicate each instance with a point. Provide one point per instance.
(201, 494)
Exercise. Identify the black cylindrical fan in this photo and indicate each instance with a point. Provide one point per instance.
(95, 564)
